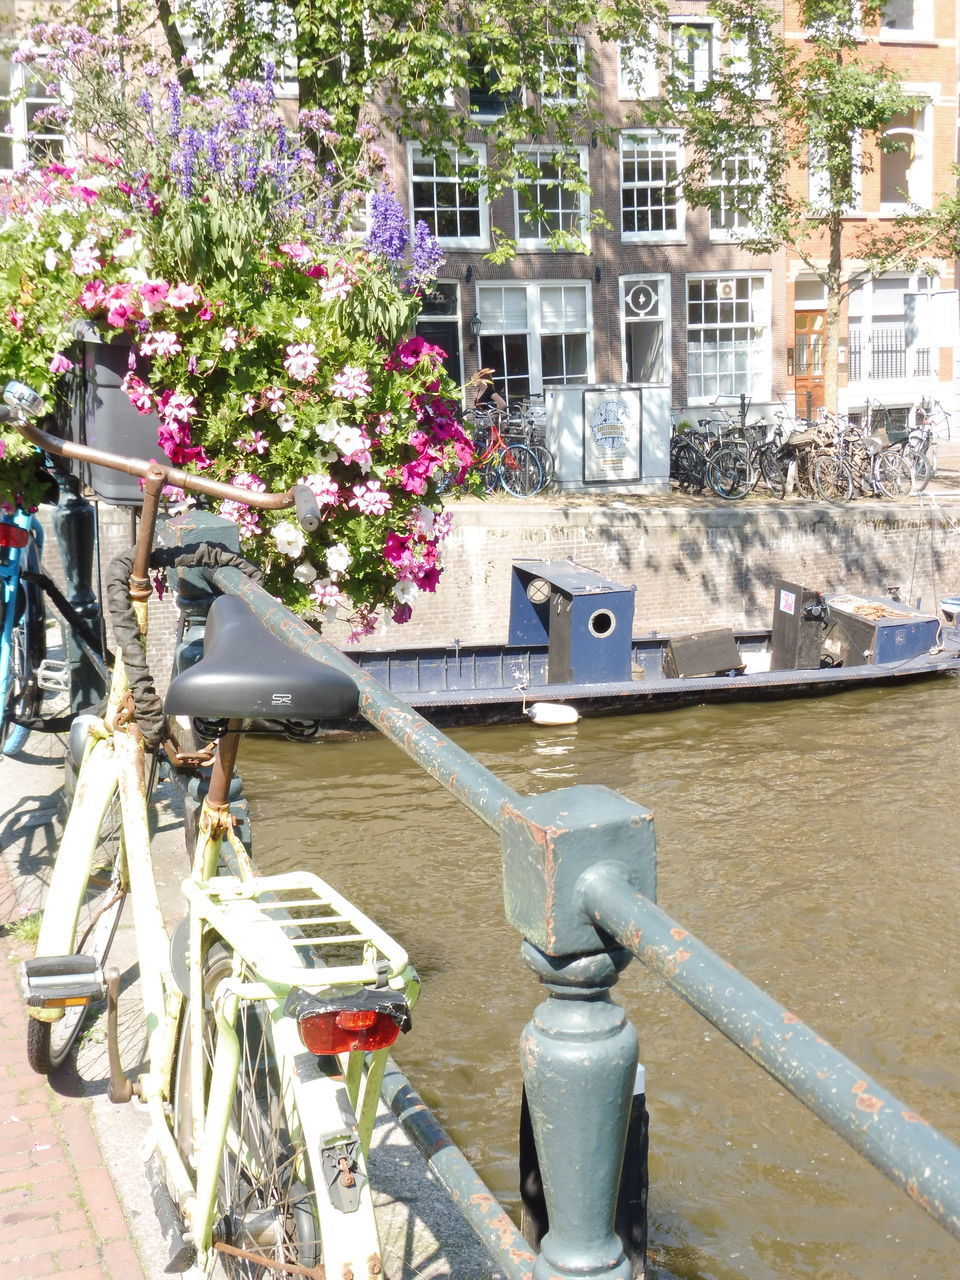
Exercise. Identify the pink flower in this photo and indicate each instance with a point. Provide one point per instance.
(253, 444)
(84, 193)
(205, 314)
(324, 489)
(161, 343)
(182, 295)
(338, 283)
(296, 250)
(246, 518)
(369, 499)
(138, 393)
(229, 340)
(3, 449)
(409, 353)
(300, 361)
(176, 407)
(395, 548)
(15, 318)
(402, 613)
(92, 295)
(153, 296)
(249, 405)
(60, 363)
(85, 259)
(351, 383)
(247, 480)
(274, 399)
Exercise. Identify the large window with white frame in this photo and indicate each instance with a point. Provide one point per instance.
(694, 52)
(819, 178)
(535, 335)
(650, 203)
(736, 182)
(906, 20)
(562, 70)
(728, 335)
(645, 308)
(906, 173)
(28, 135)
(637, 73)
(544, 204)
(443, 196)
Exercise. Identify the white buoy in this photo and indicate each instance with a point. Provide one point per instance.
(552, 713)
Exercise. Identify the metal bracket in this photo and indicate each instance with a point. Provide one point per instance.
(340, 1170)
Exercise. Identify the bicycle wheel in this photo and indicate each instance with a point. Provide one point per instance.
(920, 465)
(547, 462)
(28, 648)
(520, 471)
(490, 474)
(773, 470)
(266, 1204)
(689, 469)
(729, 473)
(831, 478)
(49, 1043)
(892, 473)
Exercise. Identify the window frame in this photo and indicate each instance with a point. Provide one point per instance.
(578, 45)
(534, 333)
(482, 239)
(675, 235)
(536, 242)
(759, 364)
(920, 170)
(921, 31)
(646, 85)
(18, 104)
(694, 21)
(664, 284)
(730, 235)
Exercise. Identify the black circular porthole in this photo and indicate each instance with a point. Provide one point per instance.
(538, 591)
(601, 623)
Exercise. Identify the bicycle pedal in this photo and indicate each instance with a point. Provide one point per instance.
(54, 675)
(54, 982)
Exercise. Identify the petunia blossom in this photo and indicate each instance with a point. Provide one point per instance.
(289, 538)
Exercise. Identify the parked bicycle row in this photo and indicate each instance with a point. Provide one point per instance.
(833, 459)
(511, 447)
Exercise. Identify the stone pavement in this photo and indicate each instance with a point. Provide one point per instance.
(74, 1200)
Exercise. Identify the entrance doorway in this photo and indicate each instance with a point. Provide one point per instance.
(809, 330)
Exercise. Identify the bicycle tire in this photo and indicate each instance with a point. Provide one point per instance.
(263, 1167)
(490, 474)
(920, 465)
(28, 648)
(729, 474)
(892, 473)
(548, 464)
(773, 471)
(520, 472)
(689, 469)
(49, 1043)
(831, 478)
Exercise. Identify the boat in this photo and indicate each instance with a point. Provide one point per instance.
(571, 653)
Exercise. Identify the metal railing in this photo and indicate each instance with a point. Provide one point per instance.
(579, 874)
(889, 356)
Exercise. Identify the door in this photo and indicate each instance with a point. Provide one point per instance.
(809, 328)
(444, 334)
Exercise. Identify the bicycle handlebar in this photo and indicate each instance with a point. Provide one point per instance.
(300, 495)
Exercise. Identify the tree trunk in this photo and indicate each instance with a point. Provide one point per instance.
(831, 337)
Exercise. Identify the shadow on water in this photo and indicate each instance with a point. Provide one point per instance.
(809, 843)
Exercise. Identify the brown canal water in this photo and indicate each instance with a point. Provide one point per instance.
(812, 844)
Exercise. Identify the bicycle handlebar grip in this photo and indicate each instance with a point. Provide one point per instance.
(308, 512)
(23, 399)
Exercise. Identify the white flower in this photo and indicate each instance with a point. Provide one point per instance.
(349, 439)
(426, 520)
(305, 572)
(50, 260)
(338, 558)
(405, 591)
(289, 538)
(65, 239)
(301, 322)
(285, 422)
(127, 247)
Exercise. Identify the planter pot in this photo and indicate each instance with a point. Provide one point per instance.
(101, 416)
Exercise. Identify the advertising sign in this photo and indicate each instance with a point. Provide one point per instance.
(611, 435)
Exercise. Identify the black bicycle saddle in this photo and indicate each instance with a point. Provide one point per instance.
(247, 673)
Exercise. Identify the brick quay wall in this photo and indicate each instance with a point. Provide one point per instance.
(695, 563)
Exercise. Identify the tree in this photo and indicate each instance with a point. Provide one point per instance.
(779, 137)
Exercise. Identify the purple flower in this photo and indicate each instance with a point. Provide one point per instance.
(388, 235)
(426, 257)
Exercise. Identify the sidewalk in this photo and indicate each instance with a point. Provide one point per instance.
(74, 1198)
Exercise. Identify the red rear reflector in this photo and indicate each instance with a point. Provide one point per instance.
(11, 535)
(343, 1030)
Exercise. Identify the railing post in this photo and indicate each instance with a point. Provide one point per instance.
(579, 1057)
(74, 524)
(579, 1052)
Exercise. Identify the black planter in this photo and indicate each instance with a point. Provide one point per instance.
(100, 415)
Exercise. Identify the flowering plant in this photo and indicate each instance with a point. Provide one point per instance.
(268, 339)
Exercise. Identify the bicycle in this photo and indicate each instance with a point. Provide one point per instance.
(271, 1006)
(529, 425)
(23, 639)
(733, 472)
(503, 464)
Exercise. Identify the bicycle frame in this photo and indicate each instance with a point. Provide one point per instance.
(11, 565)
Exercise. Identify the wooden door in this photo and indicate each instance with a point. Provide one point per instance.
(809, 328)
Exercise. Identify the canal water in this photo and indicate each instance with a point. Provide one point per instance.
(813, 844)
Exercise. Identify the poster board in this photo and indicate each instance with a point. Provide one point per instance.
(611, 435)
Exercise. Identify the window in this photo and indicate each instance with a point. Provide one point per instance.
(562, 76)
(650, 205)
(728, 336)
(884, 343)
(905, 173)
(26, 137)
(637, 73)
(906, 20)
(693, 54)
(535, 335)
(440, 196)
(646, 315)
(487, 100)
(736, 179)
(544, 204)
(203, 22)
(848, 176)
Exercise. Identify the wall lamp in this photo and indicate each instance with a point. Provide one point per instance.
(475, 324)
